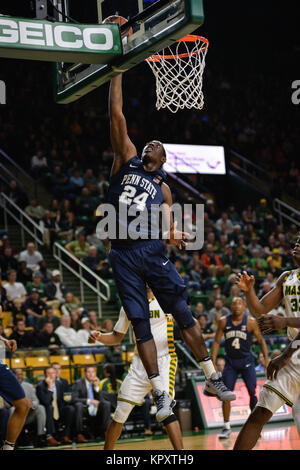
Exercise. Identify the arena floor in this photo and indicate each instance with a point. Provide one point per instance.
(274, 437)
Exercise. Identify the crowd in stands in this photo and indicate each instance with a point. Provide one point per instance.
(55, 146)
(249, 238)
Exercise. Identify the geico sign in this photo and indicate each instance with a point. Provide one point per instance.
(62, 35)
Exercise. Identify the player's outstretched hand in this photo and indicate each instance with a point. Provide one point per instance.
(178, 238)
(244, 281)
(94, 336)
(275, 365)
(268, 323)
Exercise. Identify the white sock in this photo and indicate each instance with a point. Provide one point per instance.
(227, 424)
(208, 368)
(8, 446)
(156, 383)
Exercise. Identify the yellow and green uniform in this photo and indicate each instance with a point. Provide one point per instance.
(136, 384)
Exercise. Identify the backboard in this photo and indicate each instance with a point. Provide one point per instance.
(156, 24)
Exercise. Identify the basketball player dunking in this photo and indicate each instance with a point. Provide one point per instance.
(140, 183)
(283, 372)
(238, 329)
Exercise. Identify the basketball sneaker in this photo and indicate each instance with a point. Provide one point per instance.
(215, 387)
(164, 404)
(225, 434)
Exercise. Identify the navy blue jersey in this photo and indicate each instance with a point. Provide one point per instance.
(136, 193)
(10, 388)
(238, 339)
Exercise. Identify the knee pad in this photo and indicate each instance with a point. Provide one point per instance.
(122, 412)
(142, 329)
(182, 314)
(170, 419)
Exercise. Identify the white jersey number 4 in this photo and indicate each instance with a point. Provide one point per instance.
(236, 343)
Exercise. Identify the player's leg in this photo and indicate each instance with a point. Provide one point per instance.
(250, 432)
(174, 434)
(296, 414)
(16, 422)
(229, 377)
(13, 393)
(268, 403)
(172, 295)
(133, 294)
(167, 367)
(133, 389)
(131, 287)
(249, 377)
(112, 434)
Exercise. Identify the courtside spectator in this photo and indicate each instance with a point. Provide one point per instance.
(51, 395)
(89, 403)
(37, 413)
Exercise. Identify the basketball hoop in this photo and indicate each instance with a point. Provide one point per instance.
(178, 72)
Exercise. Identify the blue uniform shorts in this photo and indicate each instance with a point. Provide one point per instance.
(148, 263)
(10, 388)
(245, 367)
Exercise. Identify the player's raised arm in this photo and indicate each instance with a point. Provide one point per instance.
(217, 339)
(259, 307)
(122, 146)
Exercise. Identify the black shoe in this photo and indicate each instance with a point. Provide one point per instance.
(41, 441)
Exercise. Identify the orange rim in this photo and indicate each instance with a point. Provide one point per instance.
(188, 38)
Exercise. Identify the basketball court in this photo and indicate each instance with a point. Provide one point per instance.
(274, 437)
(90, 46)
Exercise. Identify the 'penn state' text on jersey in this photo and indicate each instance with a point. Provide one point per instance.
(238, 339)
(136, 191)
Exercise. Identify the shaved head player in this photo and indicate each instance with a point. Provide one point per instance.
(139, 183)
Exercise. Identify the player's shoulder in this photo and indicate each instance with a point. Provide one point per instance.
(284, 277)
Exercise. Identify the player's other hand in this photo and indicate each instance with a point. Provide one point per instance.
(11, 345)
(275, 365)
(268, 323)
(177, 238)
(244, 281)
(94, 336)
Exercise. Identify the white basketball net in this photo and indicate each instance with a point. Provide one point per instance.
(178, 72)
